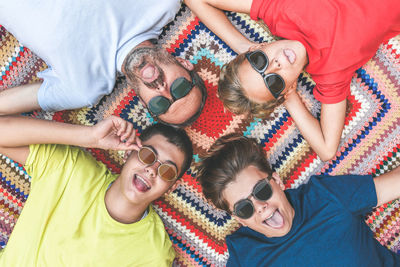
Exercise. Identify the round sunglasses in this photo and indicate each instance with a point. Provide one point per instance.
(259, 61)
(166, 171)
(179, 88)
(262, 191)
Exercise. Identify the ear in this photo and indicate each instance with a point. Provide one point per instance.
(126, 155)
(278, 180)
(173, 187)
(257, 46)
(185, 63)
(241, 221)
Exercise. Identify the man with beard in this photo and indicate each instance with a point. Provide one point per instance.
(85, 43)
(80, 214)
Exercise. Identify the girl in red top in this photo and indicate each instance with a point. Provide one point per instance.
(330, 39)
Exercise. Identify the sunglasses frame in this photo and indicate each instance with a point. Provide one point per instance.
(157, 160)
(252, 194)
(263, 75)
(173, 97)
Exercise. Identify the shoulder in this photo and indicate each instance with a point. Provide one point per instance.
(47, 158)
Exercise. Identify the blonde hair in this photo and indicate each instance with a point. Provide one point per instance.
(231, 93)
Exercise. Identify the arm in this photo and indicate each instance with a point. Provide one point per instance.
(17, 133)
(210, 12)
(324, 135)
(387, 186)
(19, 99)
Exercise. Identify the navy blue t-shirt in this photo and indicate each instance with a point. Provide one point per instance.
(328, 229)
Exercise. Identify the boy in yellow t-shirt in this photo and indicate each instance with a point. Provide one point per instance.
(80, 214)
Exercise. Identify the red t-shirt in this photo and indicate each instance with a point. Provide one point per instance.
(339, 35)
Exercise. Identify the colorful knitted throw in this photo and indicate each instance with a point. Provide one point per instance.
(370, 141)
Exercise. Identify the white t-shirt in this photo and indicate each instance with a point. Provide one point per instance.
(84, 42)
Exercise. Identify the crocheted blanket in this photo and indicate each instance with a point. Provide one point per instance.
(370, 141)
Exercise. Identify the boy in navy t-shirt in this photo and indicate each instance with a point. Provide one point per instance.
(320, 223)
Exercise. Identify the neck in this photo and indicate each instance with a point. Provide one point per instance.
(120, 208)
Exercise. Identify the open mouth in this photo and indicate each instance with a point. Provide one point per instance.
(149, 73)
(275, 220)
(290, 55)
(141, 184)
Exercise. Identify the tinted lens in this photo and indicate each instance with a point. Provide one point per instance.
(167, 172)
(244, 209)
(158, 105)
(275, 84)
(262, 191)
(258, 60)
(180, 87)
(147, 156)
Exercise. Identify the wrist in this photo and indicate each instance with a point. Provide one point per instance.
(88, 137)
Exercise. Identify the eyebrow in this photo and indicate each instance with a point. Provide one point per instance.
(167, 161)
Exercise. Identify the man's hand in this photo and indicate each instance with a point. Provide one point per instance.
(115, 133)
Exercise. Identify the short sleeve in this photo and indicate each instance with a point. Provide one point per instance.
(55, 95)
(48, 161)
(40, 156)
(355, 192)
(331, 93)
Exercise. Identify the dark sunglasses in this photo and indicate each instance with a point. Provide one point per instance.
(259, 61)
(179, 88)
(166, 171)
(262, 191)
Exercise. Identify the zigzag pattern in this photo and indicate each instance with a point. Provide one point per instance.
(370, 140)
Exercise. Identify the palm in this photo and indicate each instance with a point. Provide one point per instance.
(115, 133)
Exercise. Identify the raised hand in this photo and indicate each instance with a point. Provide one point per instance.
(115, 133)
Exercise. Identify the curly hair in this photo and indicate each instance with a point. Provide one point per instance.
(231, 93)
(229, 155)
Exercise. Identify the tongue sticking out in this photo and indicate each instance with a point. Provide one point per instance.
(291, 56)
(276, 221)
(140, 185)
(149, 72)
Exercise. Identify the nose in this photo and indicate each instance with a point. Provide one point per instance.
(162, 86)
(151, 170)
(275, 64)
(260, 206)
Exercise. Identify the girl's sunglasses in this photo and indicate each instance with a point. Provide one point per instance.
(259, 61)
(179, 88)
(262, 191)
(166, 171)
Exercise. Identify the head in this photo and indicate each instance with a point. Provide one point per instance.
(176, 89)
(243, 90)
(171, 146)
(229, 173)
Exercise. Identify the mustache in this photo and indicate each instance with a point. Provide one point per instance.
(158, 81)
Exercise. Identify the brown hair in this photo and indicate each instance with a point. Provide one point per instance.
(228, 156)
(231, 93)
(175, 136)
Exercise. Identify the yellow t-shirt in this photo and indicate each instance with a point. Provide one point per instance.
(65, 222)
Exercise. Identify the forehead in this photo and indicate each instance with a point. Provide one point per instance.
(165, 150)
(243, 185)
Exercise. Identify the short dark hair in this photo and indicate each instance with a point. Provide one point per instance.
(175, 136)
(198, 81)
(229, 155)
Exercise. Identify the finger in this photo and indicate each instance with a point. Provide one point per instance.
(138, 142)
(132, 139)
(121, 126)
(124, 146)
(128, 133)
